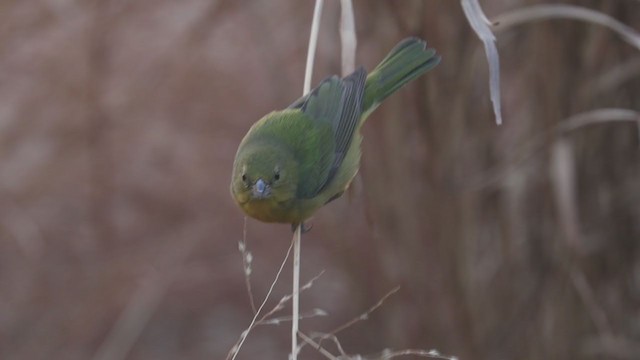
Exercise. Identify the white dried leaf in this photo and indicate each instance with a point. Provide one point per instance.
(480, 24)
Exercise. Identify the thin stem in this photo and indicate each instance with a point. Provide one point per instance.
(295, 317)
(318, 347)
(365, 315)
(348, 37)
(246, 264)
(313, 44)
(236, 349)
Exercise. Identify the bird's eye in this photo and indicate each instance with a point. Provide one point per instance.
(276, 176)
(244, 177)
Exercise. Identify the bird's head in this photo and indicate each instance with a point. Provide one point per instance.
(263, 172)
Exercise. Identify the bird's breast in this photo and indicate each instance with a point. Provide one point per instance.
(269, 210)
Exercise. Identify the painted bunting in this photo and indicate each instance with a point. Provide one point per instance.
(294, 161)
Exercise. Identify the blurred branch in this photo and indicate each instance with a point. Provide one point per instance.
(586, 294)
(398, 16)
(147, 297)
(614, 77)
(575, 122)
(612, 347)
(101, 157)
(563, 179)
(598, 116)
(544, 12)
(480, 24)
(207, 20)
(23, 227)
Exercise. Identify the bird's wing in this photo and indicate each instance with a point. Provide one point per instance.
(337, 102)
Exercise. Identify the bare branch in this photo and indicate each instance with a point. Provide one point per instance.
(236, 348)
(365, 315)
(431, 354)
(317, 346)
(288, 297)
(247, 259)
(278, 320)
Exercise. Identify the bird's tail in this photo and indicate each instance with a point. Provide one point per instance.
(405, 62)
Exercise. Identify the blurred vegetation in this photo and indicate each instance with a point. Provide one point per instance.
(118, 238)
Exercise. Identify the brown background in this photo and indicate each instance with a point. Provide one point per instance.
(119, 121)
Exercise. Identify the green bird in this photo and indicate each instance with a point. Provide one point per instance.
(294, 161)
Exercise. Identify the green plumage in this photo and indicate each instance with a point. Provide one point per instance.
(292, 162)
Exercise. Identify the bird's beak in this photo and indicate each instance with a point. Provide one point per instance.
(260, 189)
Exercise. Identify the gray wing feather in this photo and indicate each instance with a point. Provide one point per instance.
(352, 94)
(337, 102)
